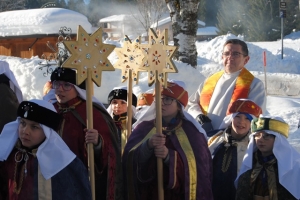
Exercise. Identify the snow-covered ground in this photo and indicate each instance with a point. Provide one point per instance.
(283, 75)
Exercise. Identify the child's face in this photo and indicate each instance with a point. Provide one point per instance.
(240, 126)
(118, 106)
(169, 107)
(264, 142)
(64, 91)
(30, 133)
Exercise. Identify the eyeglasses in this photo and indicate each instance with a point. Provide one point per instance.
(263, 135)
(167, 100)
(233, 54)
(65, 85)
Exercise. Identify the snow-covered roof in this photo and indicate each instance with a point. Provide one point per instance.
(116, 18)
(210, 30)
(168, 20)
(41, 21)
(201, 22)
(161, 22)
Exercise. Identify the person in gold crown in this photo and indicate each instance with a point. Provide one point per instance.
(117, 108)
(271, 166)
(228, 147)
(182, 145)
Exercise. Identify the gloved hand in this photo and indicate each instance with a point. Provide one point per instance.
(203, 119)
(205, 122)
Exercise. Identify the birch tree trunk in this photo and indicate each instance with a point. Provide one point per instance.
(184, 26)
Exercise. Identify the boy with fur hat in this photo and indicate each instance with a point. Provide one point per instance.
(271, 166)
(182, 145)
(71, 105)
(228, 147)
(35, 163)
(117, 100)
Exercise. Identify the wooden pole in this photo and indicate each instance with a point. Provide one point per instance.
(89, 58)
(159, 130)
(265, 65)
(89, 108)
(129, 104)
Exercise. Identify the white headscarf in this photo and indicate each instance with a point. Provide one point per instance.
(150, 113)
(4, 69)
(53, 154)
(288, 160)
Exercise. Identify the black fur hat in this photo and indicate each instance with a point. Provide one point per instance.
(32, 111)
(67, 75)
(120, 93)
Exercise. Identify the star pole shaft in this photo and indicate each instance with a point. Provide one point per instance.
(159, 130)
(89, 108)
(129, 104)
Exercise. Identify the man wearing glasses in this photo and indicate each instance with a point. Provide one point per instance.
(209, 104)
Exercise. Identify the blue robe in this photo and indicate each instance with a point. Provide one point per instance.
(18, 184)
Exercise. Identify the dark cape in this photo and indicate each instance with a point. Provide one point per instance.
(8, 104)
(255, 182)
(71, 183)
(188, 173)
(225, 151)
(121, 124)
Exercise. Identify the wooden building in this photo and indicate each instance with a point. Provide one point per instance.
(26, 33)
(27, 46)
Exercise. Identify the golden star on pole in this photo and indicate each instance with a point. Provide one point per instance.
(130, 57)
(159, 57)
(88, 51)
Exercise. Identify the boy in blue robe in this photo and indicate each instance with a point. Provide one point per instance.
(35, 163)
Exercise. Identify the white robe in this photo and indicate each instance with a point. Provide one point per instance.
(221, 98)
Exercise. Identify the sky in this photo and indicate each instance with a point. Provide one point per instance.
(282, 76)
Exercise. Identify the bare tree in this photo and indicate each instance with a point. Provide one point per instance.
(6, 5)
(149, 12)
(184, 25)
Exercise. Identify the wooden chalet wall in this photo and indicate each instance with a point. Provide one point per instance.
(28, 46)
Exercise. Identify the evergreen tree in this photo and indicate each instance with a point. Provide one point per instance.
(257, 20)
(31, 4)
(202, 10)
(78, 6)
(292, 20)
(61, 3)
(232, 17)
(263, 21)
(6, 5)
(211, 9)
(95, 8)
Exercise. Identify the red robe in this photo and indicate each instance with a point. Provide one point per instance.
(106, 154)
(188, 175)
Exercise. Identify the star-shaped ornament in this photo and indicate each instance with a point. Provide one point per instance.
(131, 57)
(159, 57)
(89, 52)
(260, 123)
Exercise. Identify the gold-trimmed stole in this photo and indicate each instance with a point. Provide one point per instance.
(241, 89)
